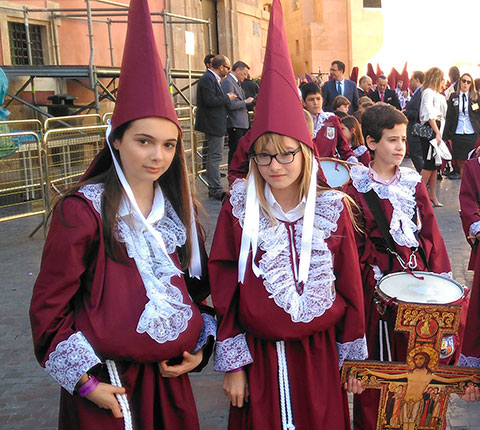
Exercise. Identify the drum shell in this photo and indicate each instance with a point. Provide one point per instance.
(387, 307)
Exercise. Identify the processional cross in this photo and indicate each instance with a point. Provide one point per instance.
(415, 394)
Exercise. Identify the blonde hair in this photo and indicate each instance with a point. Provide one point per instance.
(304, 179)
(309, 119)
(433, 79)
(279, 144)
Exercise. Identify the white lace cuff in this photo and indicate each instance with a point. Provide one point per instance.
(360, 150)
(352, 159)
(71, 359)
(474, 228)
(232, 353)
(209, 329)
(468, 361)
(355, 350)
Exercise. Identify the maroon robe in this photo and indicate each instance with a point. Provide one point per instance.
(470, 215)
(429, 237)
(330, 140)
(254, 315)
(85, 309)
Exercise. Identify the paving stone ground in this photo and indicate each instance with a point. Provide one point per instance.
(29, 397)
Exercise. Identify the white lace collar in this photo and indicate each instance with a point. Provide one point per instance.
(402, 197)
(275, 264)
(165, 315)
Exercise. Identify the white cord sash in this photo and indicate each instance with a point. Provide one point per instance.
(122, 398)
(284, 388)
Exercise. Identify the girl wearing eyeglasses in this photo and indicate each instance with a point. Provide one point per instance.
(284, 273)
(462, 120)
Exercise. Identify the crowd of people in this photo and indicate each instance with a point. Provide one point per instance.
(119, 312)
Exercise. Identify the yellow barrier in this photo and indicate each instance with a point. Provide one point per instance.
(106, 116)
(72, 121)
(15, 126)
(69, 151)
(22, 184)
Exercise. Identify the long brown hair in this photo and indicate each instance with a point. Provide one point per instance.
(433, 79)
(174, 184)
(356, 129)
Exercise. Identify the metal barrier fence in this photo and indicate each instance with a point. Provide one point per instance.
(72, 121)
(68, 153)
(106, 117)
(22, 191)
(34, 166)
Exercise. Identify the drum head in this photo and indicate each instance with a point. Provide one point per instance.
(433, 289)
(336, 173)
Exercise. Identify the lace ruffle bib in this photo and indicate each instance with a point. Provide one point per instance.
(401, 196)
(275, 264)
(165, 315)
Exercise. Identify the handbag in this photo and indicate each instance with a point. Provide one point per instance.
(422, 130)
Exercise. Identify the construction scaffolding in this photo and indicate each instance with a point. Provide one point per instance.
(116, 13)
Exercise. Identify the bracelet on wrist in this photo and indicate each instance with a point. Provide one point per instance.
(88, 387)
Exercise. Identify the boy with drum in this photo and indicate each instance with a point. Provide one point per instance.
(399, 233)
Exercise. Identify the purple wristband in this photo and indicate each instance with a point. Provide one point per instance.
(239, 369)
(88, 387)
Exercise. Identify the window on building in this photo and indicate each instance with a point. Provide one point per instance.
(295, 4)
(372, 3)
(18, 43)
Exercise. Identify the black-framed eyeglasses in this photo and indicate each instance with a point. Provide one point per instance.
(264, 159)
(227, 67)
(466, 81)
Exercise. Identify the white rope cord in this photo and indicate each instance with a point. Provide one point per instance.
(380, 339)
(284, 388)
(122, 398)
(387, 340)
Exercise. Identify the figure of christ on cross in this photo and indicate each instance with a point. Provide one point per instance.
(421, 387)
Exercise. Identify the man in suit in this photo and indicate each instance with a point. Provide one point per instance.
(364, 86)
(237, 112)
(339, 86)
(412, 113)
(384, 94)
(211, 119)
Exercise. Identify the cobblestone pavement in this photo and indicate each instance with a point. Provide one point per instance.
(29, 397)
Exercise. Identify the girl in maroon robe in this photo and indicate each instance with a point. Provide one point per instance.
(116, 310)
(470, 215)
(352, 130)
(284, 274)
(404, 200)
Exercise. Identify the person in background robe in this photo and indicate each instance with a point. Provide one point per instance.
(470, 216)
(285, 285)
(404, 201)
(352, 131)
(116, 312)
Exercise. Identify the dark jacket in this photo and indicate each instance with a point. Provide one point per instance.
(211, 111)
(412, 110)
(329, 92)
(237, 113)
(390, 97)
(451, 119)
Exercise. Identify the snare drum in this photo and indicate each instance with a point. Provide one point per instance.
(433, 289)
(337, 172)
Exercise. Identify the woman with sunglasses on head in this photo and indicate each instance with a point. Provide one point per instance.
(284, 272)
(462, 122)
(116, 312)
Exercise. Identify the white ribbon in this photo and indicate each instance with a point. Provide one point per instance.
(195, 268)
(250, 229)
(308, 223)
(252, 221)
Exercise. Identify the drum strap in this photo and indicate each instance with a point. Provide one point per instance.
(373, 203)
